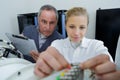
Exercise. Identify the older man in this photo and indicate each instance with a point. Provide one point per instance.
(45, 32)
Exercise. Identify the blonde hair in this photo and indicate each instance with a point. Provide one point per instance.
(76, 11)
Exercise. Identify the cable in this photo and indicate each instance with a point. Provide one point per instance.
(11, 49)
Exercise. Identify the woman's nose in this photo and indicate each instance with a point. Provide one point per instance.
(77, 32)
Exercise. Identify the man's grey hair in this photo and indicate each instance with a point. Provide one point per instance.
(49, 8)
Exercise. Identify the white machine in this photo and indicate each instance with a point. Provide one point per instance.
(12, 64)
(16, 69)
(20, 69)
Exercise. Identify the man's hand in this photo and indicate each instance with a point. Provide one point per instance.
(34, 54)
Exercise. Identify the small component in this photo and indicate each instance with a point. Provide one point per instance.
(74, 73)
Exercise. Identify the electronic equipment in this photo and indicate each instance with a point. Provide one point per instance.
(23, 44)
(108, 28)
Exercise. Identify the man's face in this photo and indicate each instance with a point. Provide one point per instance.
(47, 22)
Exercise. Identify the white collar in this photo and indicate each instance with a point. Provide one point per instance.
(83, 44)
(42, 36)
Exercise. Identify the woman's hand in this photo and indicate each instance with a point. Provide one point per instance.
(49, 61)
(102, 67)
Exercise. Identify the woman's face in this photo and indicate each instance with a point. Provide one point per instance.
(76, 27)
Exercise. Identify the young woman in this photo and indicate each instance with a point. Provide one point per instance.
(76, 48)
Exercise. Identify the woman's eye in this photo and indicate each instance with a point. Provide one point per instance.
(71, 26)
(82, 27)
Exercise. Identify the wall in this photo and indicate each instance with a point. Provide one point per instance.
(10, 8)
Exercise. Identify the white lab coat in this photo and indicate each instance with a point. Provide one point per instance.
(86, 50)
